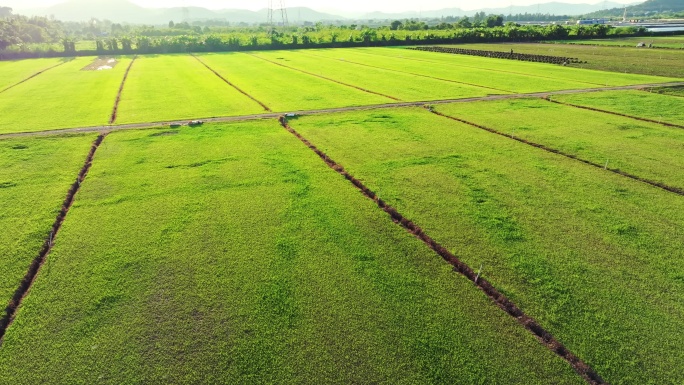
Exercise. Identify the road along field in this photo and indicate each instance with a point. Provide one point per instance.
(175, 87)
(639, 104)
(35, 175)
(65, 96)
(233, 254)
(16, 71)
(594, 256)
(643, 149)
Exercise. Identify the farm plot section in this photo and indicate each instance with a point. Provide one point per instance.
(16, 71)
(505, 81)
(35, 176)
(595, 257)
(173, 87)
(646, 150)
(63, 97)
(545, 74)
(668, 63)
(397, 86)
(283, 89)
(660, 108)
(234, 255)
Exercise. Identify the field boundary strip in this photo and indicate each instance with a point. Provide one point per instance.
(542, 335)
(480, 68)
(663, 186)
(242, 118)
(30, 277)
(325, 78)
(112, 119)
(264, 106)
(34, 75)
(410, 73)
(548, 99)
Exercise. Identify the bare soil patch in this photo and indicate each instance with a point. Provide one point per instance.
(101, 64)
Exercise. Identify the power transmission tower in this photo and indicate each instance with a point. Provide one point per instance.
(273, 10)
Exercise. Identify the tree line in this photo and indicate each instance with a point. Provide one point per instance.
(103, 37)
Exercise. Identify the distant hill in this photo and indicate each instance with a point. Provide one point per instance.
(553, 8)
(642, 9)
(121, 11)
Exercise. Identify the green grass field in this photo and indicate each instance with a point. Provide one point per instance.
(175, 87)
(647, 150)
(596, 257)
(234, 255)
(63, 97)
(513, 76)
(35, 175)
(231, 253)
(17, 70)
(661, 108)
(284, 89)
(655, 62)
(402, 86)
(544, 75)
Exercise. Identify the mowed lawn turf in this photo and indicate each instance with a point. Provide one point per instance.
(63, 97)
(597, 258)
(587, 76)
(233, 254)
(661, 108)
(284, 89)
(171, 87)
(15, 71)
(35, 176)
(647, 150)
(405, 87)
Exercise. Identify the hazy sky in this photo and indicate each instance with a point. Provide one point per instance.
(324, 5)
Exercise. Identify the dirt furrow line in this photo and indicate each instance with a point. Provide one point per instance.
(544, 337)
(242, 118)
(26, 283)
(480, 68)
(676, 190)
(410, 73)
(548, 99)
(112, 119)
(325, 78)
(264, 106)
(34, 75)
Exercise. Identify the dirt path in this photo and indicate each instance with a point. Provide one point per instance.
(112, 119)
(227, 119)
(265, 107)
(34, 75)
(26, 283)
(325, 78)
(542, 335)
